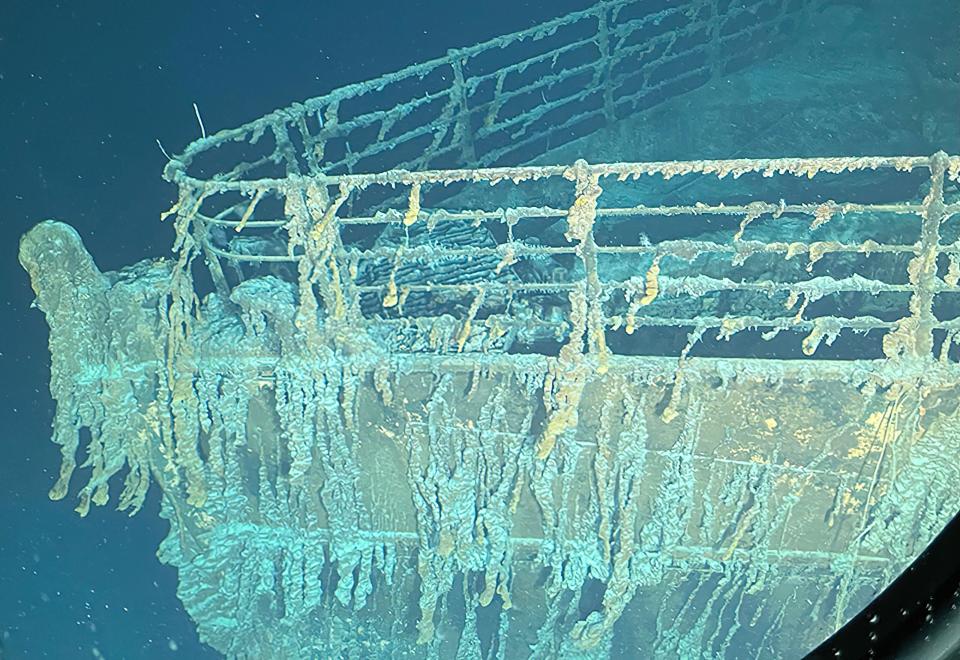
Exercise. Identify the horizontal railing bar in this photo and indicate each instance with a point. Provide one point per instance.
(518, 145)
(533, 114)
(669, 286)
(441, 215)
(625, 52)
(547, 81)
(719, 167)
(749, 248)
(386, 145)
(473, 81)
(242, 168)
(432, 252)
(809, 167)
(177, 167)
(696, 209)
(428, 252)
(785, 323)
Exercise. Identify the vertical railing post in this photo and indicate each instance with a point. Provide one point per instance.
(212, 260)
(713, 38)
(462, 132)
(580, 221)
(923, 268)
(605, 64)
(285, 148)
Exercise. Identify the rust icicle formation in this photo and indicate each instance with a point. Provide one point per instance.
(469, 409)
(313, 466)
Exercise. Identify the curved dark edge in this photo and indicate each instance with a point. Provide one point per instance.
(917, 616)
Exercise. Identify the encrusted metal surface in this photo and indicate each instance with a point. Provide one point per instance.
(504, 99)
(526, 410)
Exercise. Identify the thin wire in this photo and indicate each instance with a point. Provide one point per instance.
(196, 111)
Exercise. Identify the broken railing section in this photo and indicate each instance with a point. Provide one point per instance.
(504, 99)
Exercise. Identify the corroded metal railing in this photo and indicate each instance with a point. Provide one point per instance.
(617, 286)
(501, 100)
(481, 412)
